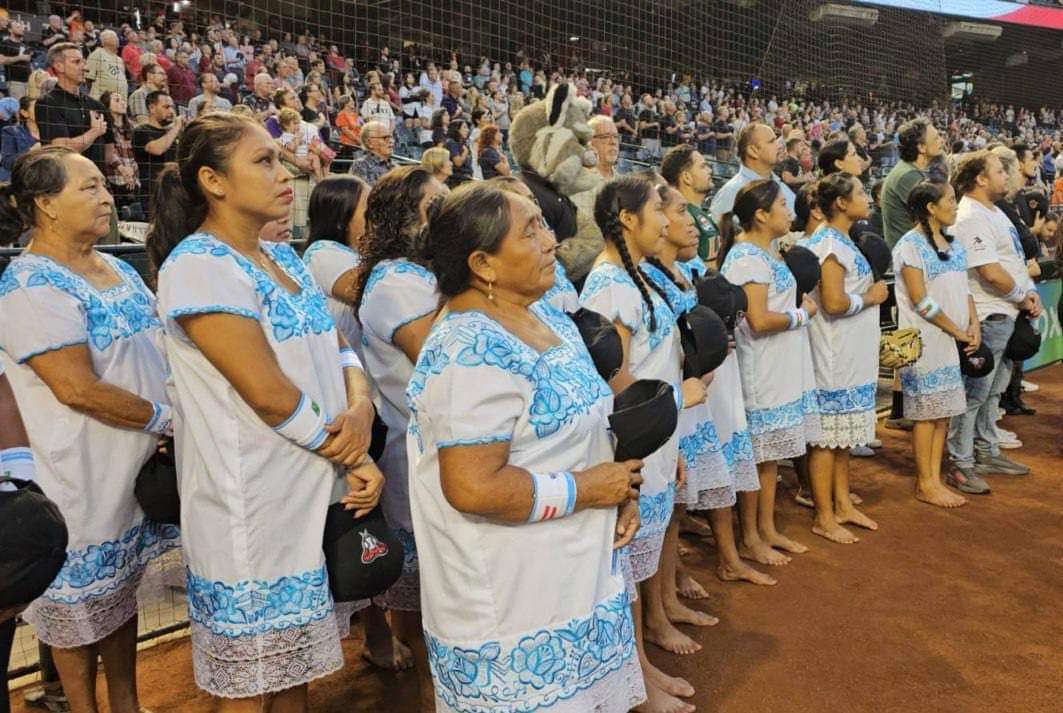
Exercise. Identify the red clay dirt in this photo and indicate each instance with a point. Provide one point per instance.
(954, 611)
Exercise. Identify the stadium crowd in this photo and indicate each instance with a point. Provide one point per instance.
(428, 362)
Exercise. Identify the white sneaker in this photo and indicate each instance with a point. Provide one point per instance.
(1029, 387)
(1001, 413)
(861, 452)
(1007, 439)
(875, 444)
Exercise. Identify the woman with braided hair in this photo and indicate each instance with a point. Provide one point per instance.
(630, 214)
(933, 296)
(397, 302)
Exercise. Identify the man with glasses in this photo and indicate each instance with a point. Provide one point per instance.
(152, 79)
(606, 143)
(377, 146)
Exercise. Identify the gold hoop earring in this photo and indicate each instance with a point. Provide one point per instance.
(490, 291)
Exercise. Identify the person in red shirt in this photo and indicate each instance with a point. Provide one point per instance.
(182, 80)
(131, 54)
(252, 68)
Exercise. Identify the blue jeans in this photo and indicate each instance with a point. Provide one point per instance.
(979, 420)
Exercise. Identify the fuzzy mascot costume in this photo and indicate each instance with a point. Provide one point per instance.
(550, 141)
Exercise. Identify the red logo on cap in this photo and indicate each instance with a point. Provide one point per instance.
(372, 548)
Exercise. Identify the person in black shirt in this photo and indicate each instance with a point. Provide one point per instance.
(725, 132)
(15, 56)
(155, 143)
(54, 33)
(65, 117)
(669, 129)
(626, 123)
(460, 154)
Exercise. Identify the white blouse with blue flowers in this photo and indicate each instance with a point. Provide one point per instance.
(252, 502)
(86, 466)
(517, 617)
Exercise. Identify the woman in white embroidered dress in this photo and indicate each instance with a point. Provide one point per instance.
(773, 356)
(81, 343)
(397, 302)
(272, 414)
(631, 216)
(514, 490)
(933, 296)
(845, 342)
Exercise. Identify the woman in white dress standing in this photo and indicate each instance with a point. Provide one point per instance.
(781, 405)
(630, 214)
(933, 296)
(272, 415)
(845, 343)
(514, 490)
(397, 303)
(82, 347)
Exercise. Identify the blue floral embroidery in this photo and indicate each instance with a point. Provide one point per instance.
(655, 511)
(289, 315)
(851, 399)
(401, 266)
(542, 668)
(781, 277)
(738, 450)
(703, 440)
(788, 415)
(863, 267)
(606, 274)
(118, 312)
(564, 382)
(320, 245)
(97, 569)
(680, 301)
(915, 382)
(692, 269)
(562, 291)
(257, 606)
(933, 266)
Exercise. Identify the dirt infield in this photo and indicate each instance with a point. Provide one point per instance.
(937, 611)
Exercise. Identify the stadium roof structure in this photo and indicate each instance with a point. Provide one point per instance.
(1007, 11)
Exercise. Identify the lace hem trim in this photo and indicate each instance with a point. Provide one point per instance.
(931, 406)
(846, 430)
(67, 625)
(715, 498)
(708, 473)
(747, 480)
(248, 666)
(645, 556)
(787, 442)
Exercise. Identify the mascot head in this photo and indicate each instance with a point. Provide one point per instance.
(552, 138)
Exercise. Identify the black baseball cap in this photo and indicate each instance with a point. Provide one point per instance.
(33, 540)
(644, 417)
(363, 557)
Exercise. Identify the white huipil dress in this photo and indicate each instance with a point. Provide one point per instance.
(562, 295)
(728, 409)
(396, 293)
(86, 466)
(518, 617)
(709, 484)
(777, 375)
(252, 502)
(327, 261)
(933, 386)
(844, 348)
(652, 354)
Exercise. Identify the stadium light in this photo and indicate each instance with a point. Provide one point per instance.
(836, 14)
(972, 31)
(574, 38)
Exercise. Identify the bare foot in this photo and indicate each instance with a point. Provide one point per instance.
(682, 550)
(658, 701)
(689, 588)
(777, 539)
(672, 685)
(855, 499)
(669, 638)
(679, 614)
(762, 552)
(939, 495)
(853, 516)
(743, 572)
(690, 525)
(835, 533)
(395, 656)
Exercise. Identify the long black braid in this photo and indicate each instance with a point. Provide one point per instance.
(922, 195)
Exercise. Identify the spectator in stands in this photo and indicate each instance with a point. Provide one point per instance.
(875, 221)
(182, 79)
(626, 121)
(649, 127)
(460, 155)
(314, 110)
(489, 153)
(377, 107)
(606, 144)
(378, 143)
(152, 79)
(284, 98)
(208, 99)
(686, 170)
(123, 178)
(349, 126)
(54, 32)
(1001, 287)
(19, 135)
(15, 58)
(790, 167)
(725, 133)
(430, 80)
(260, 99)
(758, 152)
(297, 137)
(452, 101)
(104, 69)
(919, 144)
(839, 156)
(437, 162)
(65, 116)
(155, 142)
(131, 53)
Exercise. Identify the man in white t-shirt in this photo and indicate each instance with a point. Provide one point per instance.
(1001, 288)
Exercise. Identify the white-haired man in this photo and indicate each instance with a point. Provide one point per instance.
(105, 70)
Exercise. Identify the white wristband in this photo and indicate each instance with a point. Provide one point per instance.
(678, 389)
(17, 463)
(349, 359)
(856, 304)
(928, 308)
(554, 496)
(798, 318)
(306, 426)
(1017, 294)
(161, 420)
